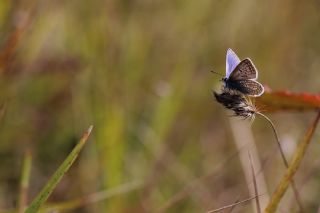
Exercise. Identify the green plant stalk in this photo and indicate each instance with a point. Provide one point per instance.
(57, 176)
(292, 169)
(24, 184)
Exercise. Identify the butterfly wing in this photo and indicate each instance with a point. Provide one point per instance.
(232, 61)
(250, 87)
(244, 71)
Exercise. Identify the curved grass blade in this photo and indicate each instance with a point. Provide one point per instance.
(57, 176)
(285, 161)
(292, 169)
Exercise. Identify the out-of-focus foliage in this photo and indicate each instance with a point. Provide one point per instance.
(139, 71)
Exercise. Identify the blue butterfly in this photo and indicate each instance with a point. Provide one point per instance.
(241, 76)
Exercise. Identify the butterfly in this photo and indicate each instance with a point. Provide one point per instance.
(241, 76)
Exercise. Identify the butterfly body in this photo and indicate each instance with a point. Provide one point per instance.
(241, 76)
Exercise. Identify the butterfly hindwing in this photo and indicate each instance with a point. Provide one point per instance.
(250, 87)
(244, 71)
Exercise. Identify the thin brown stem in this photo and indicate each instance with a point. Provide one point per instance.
(293, 185)
(293, 167)
(255, 184)
(232, 205)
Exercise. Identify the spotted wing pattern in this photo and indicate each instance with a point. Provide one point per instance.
(244, 71)
(250, 87)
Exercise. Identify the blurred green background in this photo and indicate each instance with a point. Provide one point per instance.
(139, 71)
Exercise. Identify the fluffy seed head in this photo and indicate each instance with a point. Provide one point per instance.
(241, 105)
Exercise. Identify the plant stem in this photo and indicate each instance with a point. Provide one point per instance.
(255, 184)
(292, 169)
(292, 182)
(24, 184)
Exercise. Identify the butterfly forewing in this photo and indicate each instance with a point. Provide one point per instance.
(241, 76)
(250, 87)
(244, 71)
(232, 60)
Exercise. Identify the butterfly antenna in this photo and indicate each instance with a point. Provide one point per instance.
(216, 73)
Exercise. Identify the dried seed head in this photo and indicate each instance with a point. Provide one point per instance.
(241, 105)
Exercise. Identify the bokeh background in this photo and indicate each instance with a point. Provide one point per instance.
(139, 71)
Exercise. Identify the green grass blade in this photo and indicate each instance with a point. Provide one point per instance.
(24, 184)
(57, 176)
